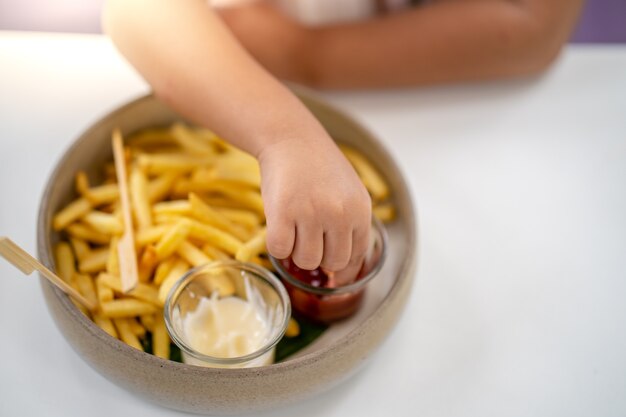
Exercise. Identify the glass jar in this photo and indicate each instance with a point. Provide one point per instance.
(310, 293)
(227, 314)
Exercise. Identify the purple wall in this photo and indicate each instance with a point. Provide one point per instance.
(601, 20)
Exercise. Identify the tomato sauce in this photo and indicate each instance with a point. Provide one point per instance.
(323, 308)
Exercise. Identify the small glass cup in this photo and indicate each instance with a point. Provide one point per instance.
(329, 304)
(252, 284)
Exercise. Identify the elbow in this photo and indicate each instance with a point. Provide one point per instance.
(540, 45)
(542, 51)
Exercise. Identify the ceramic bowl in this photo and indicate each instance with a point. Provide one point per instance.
(330, 359)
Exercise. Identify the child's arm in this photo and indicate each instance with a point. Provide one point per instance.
(316, 207)
(444, 41)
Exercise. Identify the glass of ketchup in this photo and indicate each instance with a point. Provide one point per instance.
(317, 297)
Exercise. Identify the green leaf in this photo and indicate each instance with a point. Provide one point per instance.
(309, 331)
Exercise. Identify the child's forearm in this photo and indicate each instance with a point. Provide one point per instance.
(442, 42)
(193, 62)
(317, 210)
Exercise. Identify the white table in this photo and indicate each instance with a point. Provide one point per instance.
(520, 305)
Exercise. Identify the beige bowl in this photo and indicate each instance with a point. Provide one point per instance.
(333, 357)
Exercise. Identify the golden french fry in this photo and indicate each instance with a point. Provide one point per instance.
(167, 219)
(105, 324)
(163, 269)
(178, 270)
(136, 327)
(188, 140)
(264, 262)
(72, 212)
(147, 321)
(78, 305)
(126, 334)
(82, 183)
(95, 262)
(143, 292)
(104, 292)
(157, 164)
(81, 248)
(138, 190)
(218, 202)
(192, 254)
(221, 284)
(173, 238)
(248, 198)
(160, 338)
(204, 213)
(159, 188)
(148, 138)
(104, 194)
(65, 262)
(385, 212)
(293, 328)
(237, 166)
(86, 287)
(252, 247)
(147, 263)
(85, 232)
(215, 253)
(245, 218)
(215, 236)
(371, 178)
(109, 224)
(178, 207)
(150, 235)
(113, 263)
(237, 196)
(127, 307)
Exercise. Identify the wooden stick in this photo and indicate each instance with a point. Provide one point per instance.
(126, 244)
(23, 261)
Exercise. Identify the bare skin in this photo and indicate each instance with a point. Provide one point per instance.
(444, 41)
(317, 209)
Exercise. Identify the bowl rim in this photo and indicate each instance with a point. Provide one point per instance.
(44, 249)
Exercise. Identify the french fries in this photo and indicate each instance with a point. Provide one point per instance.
(138, 189)
(170, 241)
(95, 262)
(253, 247)
(127, 307)
(105, 223)
(65, 262)
(72, 212)
(372, 180)
(194, 198)
(160, 338)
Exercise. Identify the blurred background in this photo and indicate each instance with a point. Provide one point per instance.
(602, 21)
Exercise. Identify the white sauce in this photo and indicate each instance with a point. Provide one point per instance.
(229, 327)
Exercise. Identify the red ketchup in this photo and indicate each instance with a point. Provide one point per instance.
(324, 308)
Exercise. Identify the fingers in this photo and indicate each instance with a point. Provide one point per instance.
(281, 237)
(309, 248)
(360, 244)
(337, 248)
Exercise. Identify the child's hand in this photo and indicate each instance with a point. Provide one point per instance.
(318, 211)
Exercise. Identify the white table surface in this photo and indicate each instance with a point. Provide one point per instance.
(520, 302)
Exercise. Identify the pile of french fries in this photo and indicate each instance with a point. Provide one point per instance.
(195, 198)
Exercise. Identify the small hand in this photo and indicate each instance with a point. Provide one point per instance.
(317, 209)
